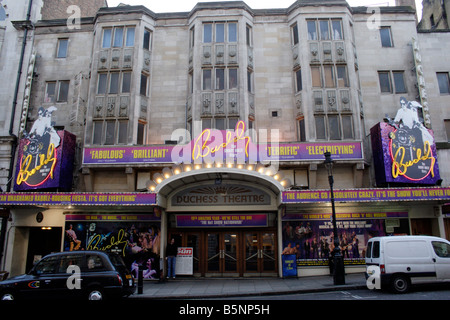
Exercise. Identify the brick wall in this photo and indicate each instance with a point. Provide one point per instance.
(57, 9)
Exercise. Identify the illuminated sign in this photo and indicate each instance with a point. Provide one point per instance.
(404, 150)
(45, 157)
(222, 146)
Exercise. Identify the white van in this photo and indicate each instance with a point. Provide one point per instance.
(406, 260)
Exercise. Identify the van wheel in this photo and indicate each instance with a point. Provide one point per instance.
(400, 283)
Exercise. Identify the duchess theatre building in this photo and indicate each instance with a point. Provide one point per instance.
(210, 127)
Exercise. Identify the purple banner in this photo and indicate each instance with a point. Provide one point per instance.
(221, 220)
(362, 195)
(223, 146)
(78, 199)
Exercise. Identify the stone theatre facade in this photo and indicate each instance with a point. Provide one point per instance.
(210, 127)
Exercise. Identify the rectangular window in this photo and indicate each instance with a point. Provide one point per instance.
(399, 82)
(232, 123)
(386, 37)
(295, 34)
(329, 77)
(62, 48)
(147, 41)
(220, 124)
(447, 128)
(220, 79)
(63, 93)
(320, 127)
(130, 37)
(342, 76)
(192, 37)
(110, 130)
(207, 33)
(118, 37)
(312, 30)
(141, 133)
(207, 79)
(126, 82)
(220, 32)
(232, 78)
(106, 38)
(206, 124)
(97, 136)
(347, 126)
(50, 92)
(324, 30)
(123, 132)
(248, 35)
(298, 80)
(316, 77)
(249, 81)
(144, 85)
(385, 81)
(444, 83)
(334, 127)
(102, 83)
(301, 131)
(232, 32)
(114, 83)
(337, 29)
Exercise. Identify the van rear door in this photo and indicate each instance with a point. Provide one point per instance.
(441, 259)
(373, 252)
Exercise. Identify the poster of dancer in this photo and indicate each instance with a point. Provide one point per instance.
(137, 241)
(310, 237)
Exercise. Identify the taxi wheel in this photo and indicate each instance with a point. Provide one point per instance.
(95, 294)
(8, 296)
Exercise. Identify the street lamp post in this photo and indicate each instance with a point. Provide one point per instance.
(338, 260)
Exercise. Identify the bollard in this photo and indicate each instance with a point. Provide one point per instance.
(141, 279)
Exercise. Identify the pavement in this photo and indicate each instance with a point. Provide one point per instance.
(209, 288)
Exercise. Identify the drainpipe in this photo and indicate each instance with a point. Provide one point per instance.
(16, 94)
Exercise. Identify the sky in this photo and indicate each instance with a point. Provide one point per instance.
(159, 6)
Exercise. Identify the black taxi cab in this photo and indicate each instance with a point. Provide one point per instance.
(91, 275)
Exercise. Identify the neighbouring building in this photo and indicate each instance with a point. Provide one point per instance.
(210, 127)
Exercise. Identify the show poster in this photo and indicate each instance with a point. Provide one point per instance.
(310, 237)
(136, 238)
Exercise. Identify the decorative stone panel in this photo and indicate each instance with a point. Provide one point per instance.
(314, 52)
(206, 58)
(340, 52)
(232, 54)
(103, 58)
(111, 107)
(220, 54)
(124, 106)
(116, 55)
(128, 58)
(220, 103)
(206, 103)
(327, 52)
(233, 104)
(99, 107)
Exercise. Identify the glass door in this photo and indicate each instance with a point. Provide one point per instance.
(193, 241)
(230, 252)
(260, 252)
(213, 253)
(268, 252)
(251, 252)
